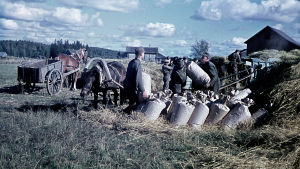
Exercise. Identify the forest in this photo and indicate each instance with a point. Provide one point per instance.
(21, 48)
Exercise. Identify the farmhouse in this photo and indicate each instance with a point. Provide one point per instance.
(151, 54)
(271, 38)
(3, 55)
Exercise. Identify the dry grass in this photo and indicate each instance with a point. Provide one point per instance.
(288, 57)
(62, 132)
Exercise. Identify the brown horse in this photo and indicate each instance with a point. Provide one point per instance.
(73, 62)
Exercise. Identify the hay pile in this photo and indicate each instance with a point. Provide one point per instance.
(153, 69)
(287, 57)
(286, 100)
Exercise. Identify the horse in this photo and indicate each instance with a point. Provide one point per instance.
(73, 62)
(96, 80)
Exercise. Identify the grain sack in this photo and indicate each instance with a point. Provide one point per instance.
(182, 115)
(241, 94)
(216, 113)
(260, 116)
(197, 74)
(153, 108)
(239, 114)
(173, 106)
(199, 115)
(146, 82)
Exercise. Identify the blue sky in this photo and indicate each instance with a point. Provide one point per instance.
(171, 25)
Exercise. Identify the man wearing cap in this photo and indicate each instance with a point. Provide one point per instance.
(178, 76)
(166, 69)
(212, 72)
(133, 80)
(234, 59)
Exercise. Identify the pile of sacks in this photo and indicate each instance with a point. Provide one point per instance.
(199, 108)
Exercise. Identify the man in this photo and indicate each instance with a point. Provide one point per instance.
(178, 77)
(196, 60)
(166, 69)
(234, 59)
(133, 81)
(212, 72)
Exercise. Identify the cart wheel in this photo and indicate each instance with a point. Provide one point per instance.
(54, 82)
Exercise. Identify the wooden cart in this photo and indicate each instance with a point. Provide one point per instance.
(46, 71)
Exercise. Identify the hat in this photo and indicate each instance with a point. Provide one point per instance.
(206, 55)
(139, 50)
(167, 61)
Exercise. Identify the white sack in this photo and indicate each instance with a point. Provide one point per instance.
(197, 74)
(173, 106)
(182, 115)
(240, 95)
(216, 113)
(153, 108)
(239, 114)
(146, 83)
(199, 115)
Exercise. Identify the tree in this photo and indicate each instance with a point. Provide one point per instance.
(199, 48)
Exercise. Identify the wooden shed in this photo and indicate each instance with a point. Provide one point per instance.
(3, 55)
(271, 38)
(151, 54)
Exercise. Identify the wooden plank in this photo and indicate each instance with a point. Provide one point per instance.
(230, 84)
(70, 72)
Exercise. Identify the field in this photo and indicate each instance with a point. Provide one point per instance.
(39, 131)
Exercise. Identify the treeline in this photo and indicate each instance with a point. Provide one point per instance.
(22, 48)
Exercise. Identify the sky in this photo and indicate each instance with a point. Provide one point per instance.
(171, 25)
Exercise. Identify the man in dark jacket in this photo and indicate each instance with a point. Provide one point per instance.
(212, 72)
(133, 81)
(166, 69)
(178, 77)
(234, 59)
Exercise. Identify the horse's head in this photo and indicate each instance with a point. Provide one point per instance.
(82, 54)
(92, 79)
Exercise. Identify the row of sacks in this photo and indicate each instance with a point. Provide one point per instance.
(201, 108)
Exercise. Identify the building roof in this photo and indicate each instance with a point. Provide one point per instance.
(148, 50)
(160, 56)
(3, 54)
(279, 32)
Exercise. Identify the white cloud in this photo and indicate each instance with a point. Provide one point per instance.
(70, 16)
(163, 2)
(239, 41)
(8, 24)
(106, 5)
(296, 26)
(229, 46)
(134, 43)
(152, 30)
(21, 12)
(95, 19)
(278, 26)
(272, 10)
(91, 34)
(179, 43)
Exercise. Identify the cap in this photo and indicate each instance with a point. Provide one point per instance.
(206, 55)
(139, 50)
(167, 61)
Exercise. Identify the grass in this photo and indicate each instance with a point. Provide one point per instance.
(39, 131)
